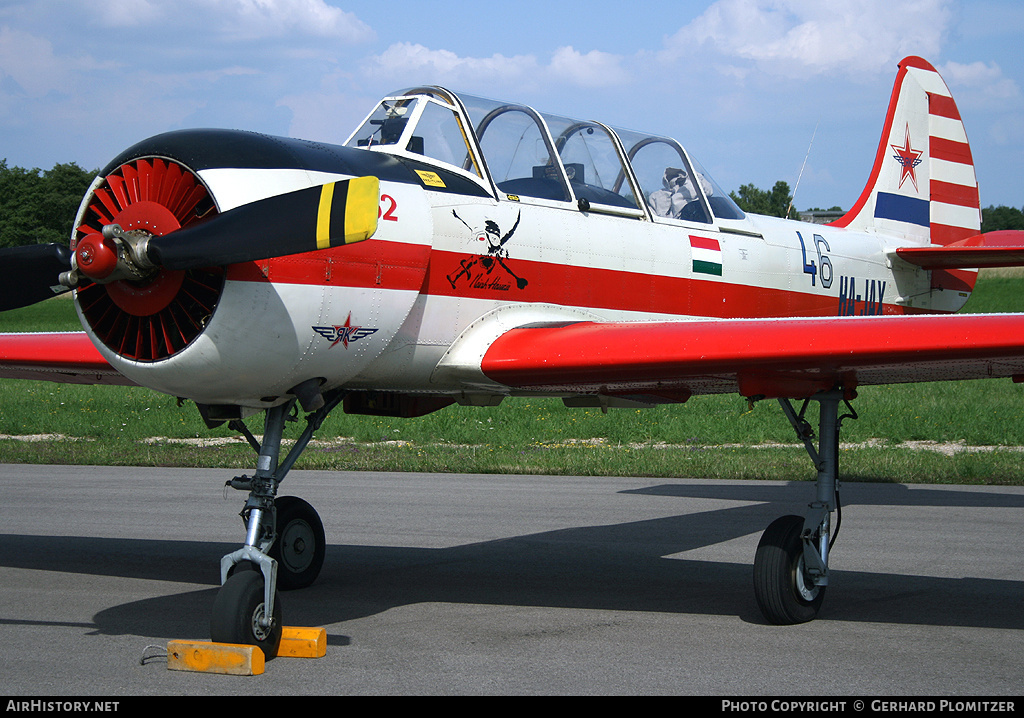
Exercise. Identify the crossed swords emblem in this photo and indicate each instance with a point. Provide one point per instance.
(496, 252)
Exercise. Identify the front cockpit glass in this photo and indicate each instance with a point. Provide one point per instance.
(385, 125)
(421, 126)
(439, 135)
(527, 152)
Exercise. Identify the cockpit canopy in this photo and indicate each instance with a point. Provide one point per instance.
(521, 154)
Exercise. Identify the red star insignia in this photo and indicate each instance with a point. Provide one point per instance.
(345, 331)
(908, 158)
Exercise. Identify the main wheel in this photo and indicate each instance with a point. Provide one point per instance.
(238, 610)
(784, 590)
(300, 545)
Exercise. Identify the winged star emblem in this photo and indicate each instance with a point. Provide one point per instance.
(344, 333)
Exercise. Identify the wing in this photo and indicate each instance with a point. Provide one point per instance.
(769, 358)
(64, 357)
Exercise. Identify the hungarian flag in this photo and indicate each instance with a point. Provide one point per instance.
(707, 256)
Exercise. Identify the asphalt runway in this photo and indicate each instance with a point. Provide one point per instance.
(440, 584)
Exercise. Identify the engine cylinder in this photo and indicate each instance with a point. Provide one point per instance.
(155, 318)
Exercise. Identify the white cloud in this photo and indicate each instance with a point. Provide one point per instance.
(261, 18)
(127, 13)
(157, 22)
(595, 69)
(979, 76)
(412, 62)
(801, 38)
(30, 62)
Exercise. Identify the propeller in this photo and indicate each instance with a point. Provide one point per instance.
(329, 215)
(305, 220)
(36, 268)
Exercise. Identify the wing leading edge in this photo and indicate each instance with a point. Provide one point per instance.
(63, 357)
(770, 358)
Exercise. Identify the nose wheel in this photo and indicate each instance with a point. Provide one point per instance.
(239, 612)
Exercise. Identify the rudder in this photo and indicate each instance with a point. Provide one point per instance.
(922, 189)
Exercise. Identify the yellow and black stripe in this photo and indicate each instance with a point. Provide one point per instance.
(306, 220)
(350, 220)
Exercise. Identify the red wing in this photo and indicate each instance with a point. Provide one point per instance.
(755, 357)
(64, 357)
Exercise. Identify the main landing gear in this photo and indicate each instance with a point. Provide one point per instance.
(791, 562)
(284, 543)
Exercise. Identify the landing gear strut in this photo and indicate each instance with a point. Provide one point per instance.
(284, 543)
(791, 562)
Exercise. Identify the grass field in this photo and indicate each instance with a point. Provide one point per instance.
(971, 430)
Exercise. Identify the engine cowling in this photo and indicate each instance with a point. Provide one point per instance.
(156, 318)
(246, 334)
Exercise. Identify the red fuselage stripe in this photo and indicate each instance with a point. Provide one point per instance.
(619, 290)
(413, 267)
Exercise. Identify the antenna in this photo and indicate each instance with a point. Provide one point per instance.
(800, 176)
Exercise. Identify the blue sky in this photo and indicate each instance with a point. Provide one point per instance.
(743, 84)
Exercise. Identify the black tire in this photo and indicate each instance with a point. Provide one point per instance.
(300, 545)
(237, 609)
(784, 592)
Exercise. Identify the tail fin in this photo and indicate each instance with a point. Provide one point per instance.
(922, 188)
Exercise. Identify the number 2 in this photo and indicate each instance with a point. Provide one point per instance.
(388, 214)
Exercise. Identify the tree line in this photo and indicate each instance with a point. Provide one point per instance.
(778, 202)
(39, 206)
(36, 206)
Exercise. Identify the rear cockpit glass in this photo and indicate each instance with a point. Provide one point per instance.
(722, 204)
(673, 185)
(519, 153)
(668, 183)
(592, 162)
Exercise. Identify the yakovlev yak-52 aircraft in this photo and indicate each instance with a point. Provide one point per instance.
(462, 250)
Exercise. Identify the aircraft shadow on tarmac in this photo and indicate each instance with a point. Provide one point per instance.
(616, 567)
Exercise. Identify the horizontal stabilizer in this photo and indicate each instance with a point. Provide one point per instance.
(982, 251)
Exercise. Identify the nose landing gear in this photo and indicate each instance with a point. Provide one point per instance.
(284, 546)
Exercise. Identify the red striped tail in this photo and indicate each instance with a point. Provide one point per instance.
(922, 189)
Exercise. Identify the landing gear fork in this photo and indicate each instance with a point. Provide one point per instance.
(791, 563)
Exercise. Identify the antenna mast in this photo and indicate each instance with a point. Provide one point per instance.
(800, 176)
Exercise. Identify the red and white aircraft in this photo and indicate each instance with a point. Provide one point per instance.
(461, 250)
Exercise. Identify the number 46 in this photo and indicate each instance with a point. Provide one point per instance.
(823, 267)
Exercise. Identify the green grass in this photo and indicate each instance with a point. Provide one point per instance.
(715, 436)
